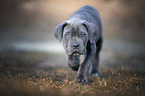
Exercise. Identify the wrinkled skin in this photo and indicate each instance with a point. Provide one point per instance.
(75, 38)
(81, 34)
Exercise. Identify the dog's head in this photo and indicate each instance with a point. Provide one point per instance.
(75, 34)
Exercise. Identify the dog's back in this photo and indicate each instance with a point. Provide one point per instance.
(89, 14)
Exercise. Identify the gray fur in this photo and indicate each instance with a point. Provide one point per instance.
(82, 35)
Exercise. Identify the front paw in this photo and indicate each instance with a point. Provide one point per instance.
(81, 78)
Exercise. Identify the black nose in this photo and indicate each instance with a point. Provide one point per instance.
(76, 45)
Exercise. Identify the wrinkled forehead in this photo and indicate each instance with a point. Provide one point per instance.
(72, 27)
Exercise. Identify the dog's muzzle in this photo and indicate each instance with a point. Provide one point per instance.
(75, 48)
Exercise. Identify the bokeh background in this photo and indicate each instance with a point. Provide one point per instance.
(27, 26)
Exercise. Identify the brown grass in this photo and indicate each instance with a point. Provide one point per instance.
(25, 80)
(59, 83)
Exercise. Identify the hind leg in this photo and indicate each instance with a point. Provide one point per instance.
(95, 66)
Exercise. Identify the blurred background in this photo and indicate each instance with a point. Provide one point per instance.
(26, 31)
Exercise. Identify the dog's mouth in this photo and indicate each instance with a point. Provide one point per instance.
(76, 52)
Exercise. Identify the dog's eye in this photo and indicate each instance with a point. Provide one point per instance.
(66, 35)
(83, 34)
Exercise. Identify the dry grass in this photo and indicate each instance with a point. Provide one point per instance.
(60, 83)
(31, 80)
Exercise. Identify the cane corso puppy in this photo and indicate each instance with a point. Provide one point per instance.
(81, 34)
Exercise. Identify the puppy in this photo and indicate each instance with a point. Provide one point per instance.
(81, 34)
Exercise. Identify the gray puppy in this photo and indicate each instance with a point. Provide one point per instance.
(82, 35)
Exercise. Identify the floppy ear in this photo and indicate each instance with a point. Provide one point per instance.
(92, 29)
(58, 31)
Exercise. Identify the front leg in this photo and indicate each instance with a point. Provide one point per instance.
(73, 61)
(82, 74)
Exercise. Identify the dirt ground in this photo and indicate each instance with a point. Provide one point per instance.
(21, 74)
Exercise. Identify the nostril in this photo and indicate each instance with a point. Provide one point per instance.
(76, 45)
